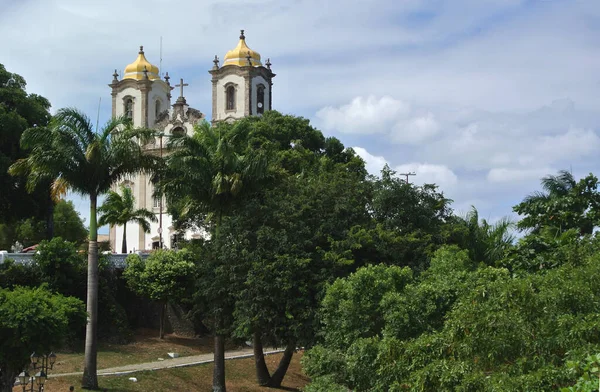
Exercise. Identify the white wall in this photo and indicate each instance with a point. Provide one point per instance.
(239, 97)
(158, 92)
(137, 104)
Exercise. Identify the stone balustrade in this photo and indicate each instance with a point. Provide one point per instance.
(116, 260)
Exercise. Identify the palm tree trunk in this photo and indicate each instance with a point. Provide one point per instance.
(262, 371)
(284, 364)
(90, 371)
(219, 355)
(124, 245)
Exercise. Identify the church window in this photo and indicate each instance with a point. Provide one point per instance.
(230, 97)
(260, 99)
(156, 202)
(178, 132)
(156, 109)
(129, 108)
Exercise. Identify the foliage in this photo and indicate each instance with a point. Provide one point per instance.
(351, 308)
(33, 319)
(207, 177)
(119, 209)
(566, 204)
(71, 155)
(589, 369)
(61, 267)
(166, 276)
(462, 328)
(68, 223)
(487, 243)
(30, 231)
(18, 111)
(14, 274)
(276, 240)
(408, 224)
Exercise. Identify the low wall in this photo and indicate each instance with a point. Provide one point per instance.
(116, 260)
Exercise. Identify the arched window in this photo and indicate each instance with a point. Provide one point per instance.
(260, 99)
(128, 108)
(156, 109)
(230, 98)
(178, 132)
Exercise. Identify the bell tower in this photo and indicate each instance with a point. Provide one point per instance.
(242, 86)
(141, 94)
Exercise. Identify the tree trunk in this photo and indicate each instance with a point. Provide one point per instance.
(124, 244)
(262, 371)
(163, 308)
(219, 362)
(284, 364)
(90, 371)
(50, 218)
(7, 378)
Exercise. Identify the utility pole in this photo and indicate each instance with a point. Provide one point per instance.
(408, 174)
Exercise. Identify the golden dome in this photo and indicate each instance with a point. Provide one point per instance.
(239, 55)
(135, 70)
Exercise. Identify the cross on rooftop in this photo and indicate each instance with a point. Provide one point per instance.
(181, 85)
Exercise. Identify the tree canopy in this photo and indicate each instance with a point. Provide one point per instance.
(33, 319)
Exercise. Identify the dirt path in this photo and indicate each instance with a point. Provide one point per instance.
(169, 363)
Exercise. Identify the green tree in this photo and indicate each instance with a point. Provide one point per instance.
(19, 111)
(208, 174)
(487, 243)
(565, 204)
(33, 319)
(68, 224)
(277, 237)
(61, 267)
(460, 326)
(119, 209)
(166, 277)
(71, 155)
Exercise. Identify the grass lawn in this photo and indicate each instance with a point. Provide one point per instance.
(146, 347)
(239, 374)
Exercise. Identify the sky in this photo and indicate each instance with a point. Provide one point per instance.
(481, 97)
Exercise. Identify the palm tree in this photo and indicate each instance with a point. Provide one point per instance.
(120, 209)
(207, 175)
(487, 242)
(564, 204)
(71, 155)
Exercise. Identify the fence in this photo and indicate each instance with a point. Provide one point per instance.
(116, 260)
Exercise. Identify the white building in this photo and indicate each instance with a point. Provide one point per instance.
(241, 87)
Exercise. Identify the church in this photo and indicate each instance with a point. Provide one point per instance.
(241, 86)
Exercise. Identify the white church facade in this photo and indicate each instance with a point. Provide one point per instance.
(242, 86)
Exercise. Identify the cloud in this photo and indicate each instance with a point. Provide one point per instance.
(373, 163)
(393, 118)
(427, 173)
(363, 115)
(416, 130)
(506, 175)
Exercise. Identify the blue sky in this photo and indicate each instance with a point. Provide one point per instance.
(482, 97)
